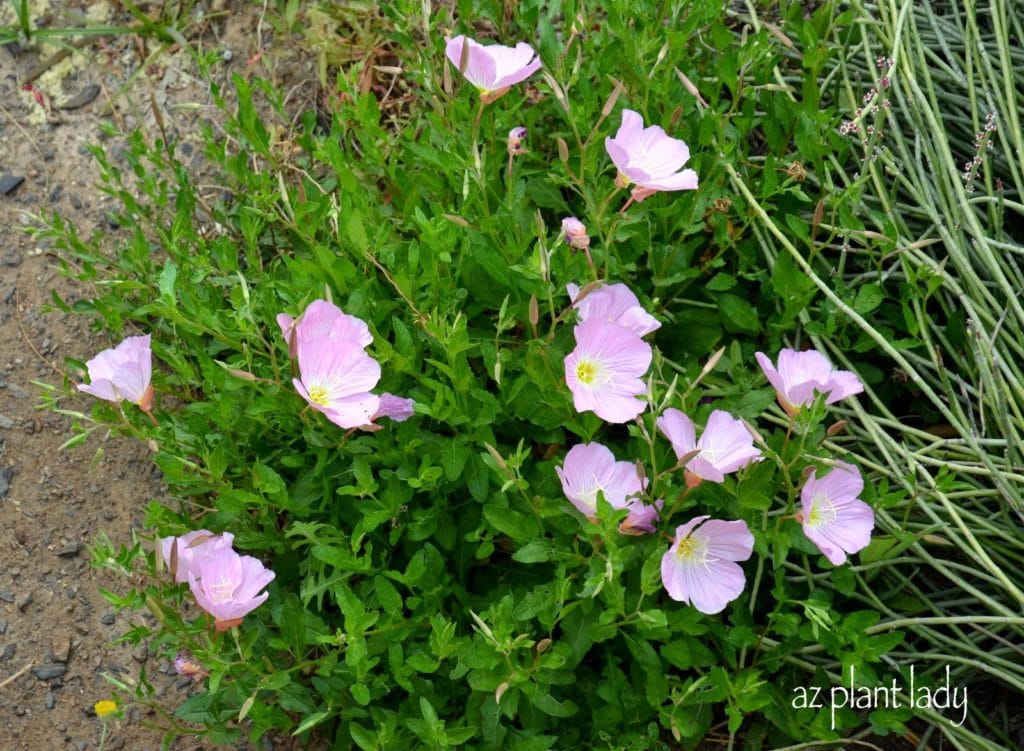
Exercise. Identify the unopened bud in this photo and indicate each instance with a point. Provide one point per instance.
(836, 427)
(534, 311)
(563, 149)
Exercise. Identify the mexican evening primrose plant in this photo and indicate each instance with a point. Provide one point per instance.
(443, 466)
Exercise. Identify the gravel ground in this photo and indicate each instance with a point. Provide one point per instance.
(56, 631)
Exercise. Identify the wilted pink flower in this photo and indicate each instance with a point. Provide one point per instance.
(192, 549)
(336, 377)
(397, 408)
(649, 158)
(185, 665)
(516, 136)
(801, 375)
(323, 319)
(591, 468)
(605, 371)
(123, 372)
(614, 303)
(699, 567)
(575, 233)
(833, 517)
(228, 586)
(724, 447)
(494, 68)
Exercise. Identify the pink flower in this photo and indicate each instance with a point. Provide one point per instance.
(323, 319)
(192, 549)
(833, 517)
(575, 233)
(336, 377)
(494, 68)
(123, 372)
(605, 371)
(227, 586)
(724, 447)
(699, 567)
(803, 374)
(649, 157)
(589, 469)
(614, 303)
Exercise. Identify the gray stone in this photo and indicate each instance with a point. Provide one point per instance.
(107, 619)
(82, 98)
(9, 183)
(6, 423)
(8, 652)
(49, 672)
(51, 699)
(70, 550)
(5, 485)
(24, 601)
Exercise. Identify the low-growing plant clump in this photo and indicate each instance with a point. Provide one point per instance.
(556, 408)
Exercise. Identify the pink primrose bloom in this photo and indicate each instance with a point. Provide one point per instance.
(605, 371)
(649, 158)
(575, 233)
(494, 68)
(336, 377)
(228, 586)
(193, 549)
(725, 446)
(323, 319)
(801, 375)
(589, 469)
(700, 566)
(833, 517)
(123, 372)
(614, 303)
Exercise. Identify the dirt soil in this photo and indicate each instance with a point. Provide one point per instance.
(57, 633)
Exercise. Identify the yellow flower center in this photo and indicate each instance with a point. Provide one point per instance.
(318, 395)
(692, 550)
(586, 372)
(822, 511)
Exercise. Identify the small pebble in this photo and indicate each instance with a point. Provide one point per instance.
(6, 423)
(8, 653)
(49, 672)
(24, 601)
(107, 619)
(70, 550)
(5, 485)
(60, 651)
(3, 627)
(82, 98)
(9, 183)
(7, 596)
(51, 699)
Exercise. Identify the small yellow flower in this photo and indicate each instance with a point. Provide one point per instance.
(105, 708)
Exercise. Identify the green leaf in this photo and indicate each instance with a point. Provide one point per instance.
(537, 551)
(737, 314)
